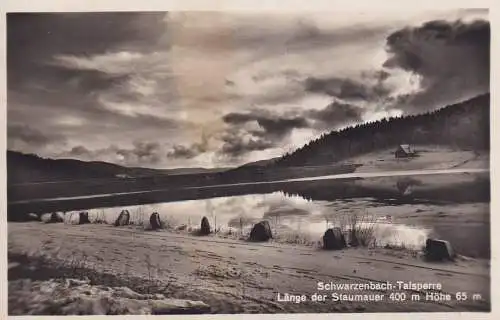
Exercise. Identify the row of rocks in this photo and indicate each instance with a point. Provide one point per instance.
(124, 220)
(333, 238)
(260, 232)
(83, 218)
(435, 249)
(70, 218)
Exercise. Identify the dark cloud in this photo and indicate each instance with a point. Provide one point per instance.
(239, 139)
(453, 59)
(348, 89)
(86, 81)
(79, 151)
(34, 38)
(30, 136)
(433, 36)
(335, 114)
(271, 124)
(275, 127)
(274, 124)
(236, 143)
(39, 87)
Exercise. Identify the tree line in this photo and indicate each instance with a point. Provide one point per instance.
(462, 126)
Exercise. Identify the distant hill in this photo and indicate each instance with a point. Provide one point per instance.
(462, 126)
(27, 168)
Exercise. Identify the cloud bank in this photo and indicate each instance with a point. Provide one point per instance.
(212, 89)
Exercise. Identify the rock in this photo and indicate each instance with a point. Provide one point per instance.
(76, 217)
(438, 250)
(154, 221)
(333, 239)
(83, 217)
(53, 217)
(123, 219)
(261, 231)
(205, 226)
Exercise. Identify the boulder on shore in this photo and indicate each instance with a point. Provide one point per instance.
(205, 226)
(83, 217)
(438, 250)
(334, 239)
(261, 231)
(123, 219)
(154, 221)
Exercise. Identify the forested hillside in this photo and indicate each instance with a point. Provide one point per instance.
(463, 126)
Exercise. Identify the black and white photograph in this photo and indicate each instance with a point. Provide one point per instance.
(248, 162)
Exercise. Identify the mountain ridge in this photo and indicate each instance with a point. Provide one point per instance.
(23, 168)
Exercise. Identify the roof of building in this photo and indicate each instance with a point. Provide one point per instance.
(406, 148)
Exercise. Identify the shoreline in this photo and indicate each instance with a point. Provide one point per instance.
(235, 277)
(256, 183)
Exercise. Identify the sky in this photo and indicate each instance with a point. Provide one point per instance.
(217, 89)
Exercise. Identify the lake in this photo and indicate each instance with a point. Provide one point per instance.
(401, 210)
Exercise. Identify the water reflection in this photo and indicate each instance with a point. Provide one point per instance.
(405, 210)
(287, 214)
(437, 189)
